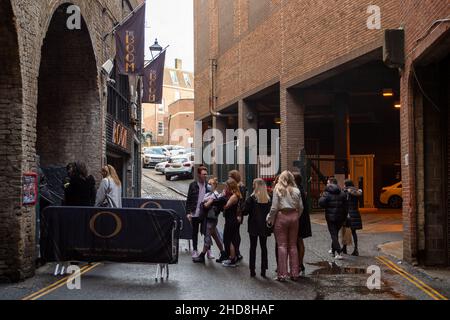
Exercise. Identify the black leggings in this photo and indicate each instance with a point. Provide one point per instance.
(264, 258)
(196, 222)
(231, 236)
(355, 238)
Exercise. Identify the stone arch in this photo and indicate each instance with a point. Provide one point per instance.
(10, 141)
(69, 106)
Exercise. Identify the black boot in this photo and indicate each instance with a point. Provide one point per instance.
(355, 253)
(344, 250)
(263, 273)
(200, 258)
(252, 273)
(223, 257)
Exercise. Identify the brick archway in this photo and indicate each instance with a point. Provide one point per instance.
(69, 108)
(10, 142)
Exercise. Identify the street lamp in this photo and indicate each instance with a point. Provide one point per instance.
(155, 48)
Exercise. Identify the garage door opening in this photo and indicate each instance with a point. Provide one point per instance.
(352, 131)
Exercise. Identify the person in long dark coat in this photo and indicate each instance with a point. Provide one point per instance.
(80, 190)
(257, 207)
(354, 220)
(305, 229)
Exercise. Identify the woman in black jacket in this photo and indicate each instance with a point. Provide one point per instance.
(80, 190)
(354, 220)
(257, 207)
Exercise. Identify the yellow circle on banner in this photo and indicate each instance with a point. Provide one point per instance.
(112, 235)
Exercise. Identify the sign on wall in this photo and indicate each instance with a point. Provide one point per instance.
(30, 189)
(120, 135)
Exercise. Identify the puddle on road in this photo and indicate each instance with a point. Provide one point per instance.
(328, 268)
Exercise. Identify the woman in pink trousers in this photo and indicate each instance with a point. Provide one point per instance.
(287, 208)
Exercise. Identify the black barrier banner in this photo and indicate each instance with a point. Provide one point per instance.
(112, 235)
(178, 206)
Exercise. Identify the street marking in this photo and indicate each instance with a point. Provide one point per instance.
(58, 284)
(50, 286)
(412, 279)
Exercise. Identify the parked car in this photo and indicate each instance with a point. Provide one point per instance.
(177, 151)
(181, 166)
(153, 156)
(161, 167)
(392, 196)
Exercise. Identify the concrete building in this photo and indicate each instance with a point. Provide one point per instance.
(318, 74)
(178, 84)
(56, 107)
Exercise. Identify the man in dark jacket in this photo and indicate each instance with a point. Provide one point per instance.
(196, 194)
(333, 201)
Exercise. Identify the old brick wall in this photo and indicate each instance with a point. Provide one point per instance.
(277, 41)
(27, 23)
(182, 118)
(416, 17)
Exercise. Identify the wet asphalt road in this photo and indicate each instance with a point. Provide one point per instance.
(345, 280)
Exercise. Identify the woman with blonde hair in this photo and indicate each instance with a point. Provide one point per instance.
(109, 193)
(257, 207)
(287, 207)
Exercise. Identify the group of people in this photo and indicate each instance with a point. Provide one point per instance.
(80, 190)
(342, 210)
(282, 211)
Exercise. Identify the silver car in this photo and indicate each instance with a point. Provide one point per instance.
(153, 156)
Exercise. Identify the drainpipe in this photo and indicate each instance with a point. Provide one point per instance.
(212, 89)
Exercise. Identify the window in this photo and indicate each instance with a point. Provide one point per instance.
(173, 75)
(177, 95)
(187, 80)
(160, 128)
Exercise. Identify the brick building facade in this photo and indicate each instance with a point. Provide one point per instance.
(317, 71)
(180, 124)
(178, 84)
(53, 106)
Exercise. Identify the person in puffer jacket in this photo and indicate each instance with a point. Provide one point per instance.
(354, 221)
(333, 201)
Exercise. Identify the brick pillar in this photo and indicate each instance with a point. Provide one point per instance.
(247, 111)
(292, 128)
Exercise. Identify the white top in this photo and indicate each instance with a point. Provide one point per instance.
(109, 188)
(292, 201)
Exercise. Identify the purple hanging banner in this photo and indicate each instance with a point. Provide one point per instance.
(154, 80)
(130, 44)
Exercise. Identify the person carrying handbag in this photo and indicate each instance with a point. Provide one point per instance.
(209, 215)
(354, 220)
(109, 194)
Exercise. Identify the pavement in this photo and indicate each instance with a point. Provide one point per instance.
(325, 278)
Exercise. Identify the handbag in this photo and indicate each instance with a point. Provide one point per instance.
(347, 238)
(108, 202)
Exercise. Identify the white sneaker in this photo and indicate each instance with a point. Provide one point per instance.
(194, 254)
(339, 257)
(210, 255)
(330, 252)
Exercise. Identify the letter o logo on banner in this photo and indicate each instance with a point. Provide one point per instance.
(144, 206)
(112, 235)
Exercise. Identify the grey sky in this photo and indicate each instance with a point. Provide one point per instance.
(172, 22)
